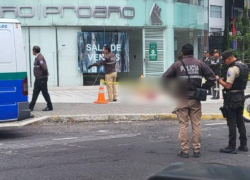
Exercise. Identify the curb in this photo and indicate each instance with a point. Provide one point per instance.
(69, 119)
(115, 118)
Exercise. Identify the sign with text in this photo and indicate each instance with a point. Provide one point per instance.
(29, 11)
(153, 51)
(90, 47)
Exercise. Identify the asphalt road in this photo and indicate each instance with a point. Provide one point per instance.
(104, 151)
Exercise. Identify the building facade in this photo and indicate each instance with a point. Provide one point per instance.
(145, 35)
(239, 7)
(216, 17)
(216, 24)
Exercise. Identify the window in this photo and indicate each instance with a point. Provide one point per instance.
(201, 2)
(215, 11)
(238, 12)
(188, 1)
(215, 32)
(195, 2)
(6, 47)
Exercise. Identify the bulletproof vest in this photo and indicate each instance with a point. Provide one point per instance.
(240, 83)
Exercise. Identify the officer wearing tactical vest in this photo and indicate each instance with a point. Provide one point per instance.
(41, 74)
(234, 86)
(109, 62)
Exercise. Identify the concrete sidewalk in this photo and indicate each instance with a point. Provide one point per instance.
(85, 94)
(80, 101)
(77, 104)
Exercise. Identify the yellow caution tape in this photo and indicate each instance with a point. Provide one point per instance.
(104, 82)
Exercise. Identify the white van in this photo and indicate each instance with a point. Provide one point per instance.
(14, 103)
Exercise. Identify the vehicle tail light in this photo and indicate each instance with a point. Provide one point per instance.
(25, 87)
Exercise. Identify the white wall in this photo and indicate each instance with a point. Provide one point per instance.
(68, 57)
(217, 22)
(45, 37)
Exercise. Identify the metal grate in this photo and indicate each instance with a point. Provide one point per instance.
(154, 68)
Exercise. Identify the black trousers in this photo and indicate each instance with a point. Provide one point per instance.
(216, 90)
(41, 85)
(235, 119)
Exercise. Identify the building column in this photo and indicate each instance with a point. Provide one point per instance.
(196, 46)
(169, 36)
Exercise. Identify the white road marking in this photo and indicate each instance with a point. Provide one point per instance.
(61, 139)
(214, 124)
(103, 131)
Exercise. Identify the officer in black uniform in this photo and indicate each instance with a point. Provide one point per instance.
(233, 93)
(216, 67)
(207, 59)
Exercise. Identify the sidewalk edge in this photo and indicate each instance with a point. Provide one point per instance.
(73, 119)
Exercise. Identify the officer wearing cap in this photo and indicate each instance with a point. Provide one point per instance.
(207, 58)
(216, 67)
(233, 93)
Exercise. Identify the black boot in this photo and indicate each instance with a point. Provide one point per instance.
(229, 150)
(197, 154)
(48, 109)
(243, 148)
(214, 98)
(182, 154)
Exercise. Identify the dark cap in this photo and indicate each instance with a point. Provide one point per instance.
(216, 51)
(226, 54)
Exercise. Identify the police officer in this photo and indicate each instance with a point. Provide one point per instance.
(234, 99)
(109, 62)
(189, 106)
(41, 79)
(216, 68)
(207, 59)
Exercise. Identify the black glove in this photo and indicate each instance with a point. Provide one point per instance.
(90, 66)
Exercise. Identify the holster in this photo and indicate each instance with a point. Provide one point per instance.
(233, 100)
(224, 111)
(225, 95)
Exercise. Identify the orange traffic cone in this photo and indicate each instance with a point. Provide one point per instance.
(101, 95)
